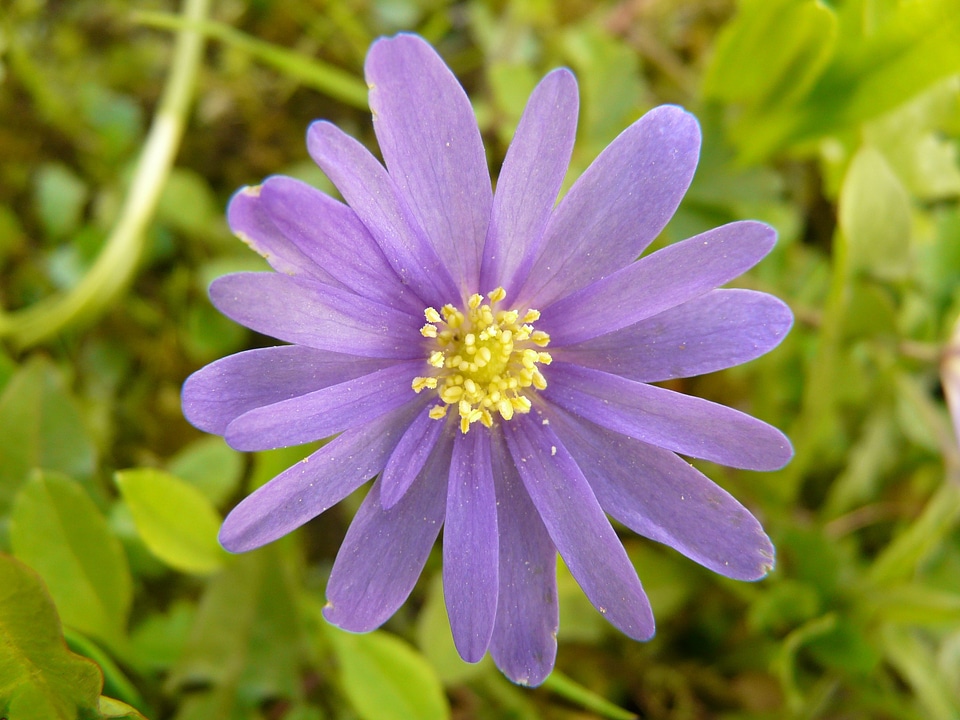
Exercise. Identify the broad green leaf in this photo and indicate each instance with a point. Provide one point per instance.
(177, 523)
(211, 466)
(246, 632)
(40, 679)
(385, 679)
(913, 141)
(875, 217)
(871, 73)
(40, 427)
(915, 46)
(56, 529)
(771, 53)
(115, 682)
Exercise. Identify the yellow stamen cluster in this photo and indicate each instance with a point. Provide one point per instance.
(483, 359)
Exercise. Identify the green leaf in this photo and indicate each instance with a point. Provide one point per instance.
(385, 679)
(40, 679)
(158, 641)
(246, 632)
(771, 53)
(211, 466)
(111, 708)
(40, 427)
(913, 141)
(874, 216)
(436, 641)
(610, 84)
(871, 73)
(177, 523)
(915, 663)
(902, 557)
(56, 529)
(60, 197)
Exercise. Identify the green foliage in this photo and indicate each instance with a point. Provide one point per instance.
(57, 529)
(177, 523)
(836, 122)
(40, 679)
(385, 679)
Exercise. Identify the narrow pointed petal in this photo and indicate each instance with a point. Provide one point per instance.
(409, 457)
(578, 527)
(530, 179)
(324, 412)
(618, 206)
(662, 497)
(658, 282)
(332, 236)
(313, 485)
(715, 331)
(249, 221)
(470, 547)
(432, 148)
(373, 195)
(384, 551)
(219, 393)
(524, 642)
(316, 315)
(681, 423)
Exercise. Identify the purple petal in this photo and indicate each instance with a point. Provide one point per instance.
(470, 545)
(316, 315)
(410, 456)
(221, 392)
(524, 642)
(681, 423)
(250, 222)
(578, 526)
(314, 484)
(384, 551)
(618, 206)
(658, 282)
(432, 147)
(373, 196)
(718, 330)
(530, 179)
(332, 236)
(324, 412)
(660, 496)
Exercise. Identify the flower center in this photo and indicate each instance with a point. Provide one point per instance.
(484, 359)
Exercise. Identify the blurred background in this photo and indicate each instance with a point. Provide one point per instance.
(126, 126)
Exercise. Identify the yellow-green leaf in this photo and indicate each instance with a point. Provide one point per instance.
(57, 530)
(40, 679)
(176, 521)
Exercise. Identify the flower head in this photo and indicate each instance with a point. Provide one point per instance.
(488, 357)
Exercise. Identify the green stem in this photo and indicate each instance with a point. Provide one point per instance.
(820, 389)
(118, 260)
(328, 79)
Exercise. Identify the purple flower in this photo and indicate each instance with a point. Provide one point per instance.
(488, 356)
